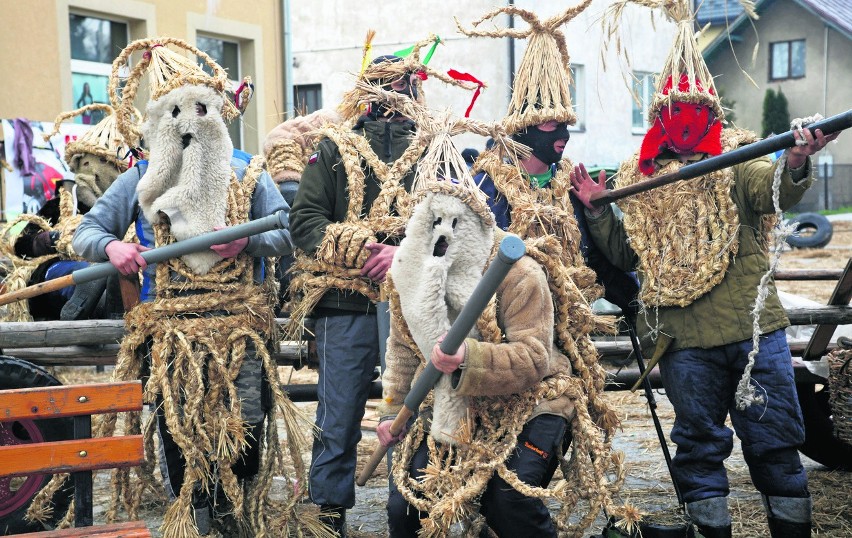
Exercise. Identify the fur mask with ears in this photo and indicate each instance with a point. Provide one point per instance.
(189, 173)
(93, 175)
(435, 269)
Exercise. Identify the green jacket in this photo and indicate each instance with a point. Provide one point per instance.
(723, 315)
(322, 198)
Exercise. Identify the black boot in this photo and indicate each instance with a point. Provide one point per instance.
(714, 532)
(781, 528)
(334, 517)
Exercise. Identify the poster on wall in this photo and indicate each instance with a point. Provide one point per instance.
(36, 165)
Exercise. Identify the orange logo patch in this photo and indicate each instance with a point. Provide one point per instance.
(543, 453)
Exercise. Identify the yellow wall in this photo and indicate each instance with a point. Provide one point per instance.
(35, 51)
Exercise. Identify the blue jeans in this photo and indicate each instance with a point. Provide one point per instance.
(701, 383)
(508, 512)
(348, 349)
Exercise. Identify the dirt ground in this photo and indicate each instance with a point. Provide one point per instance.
(648, 485)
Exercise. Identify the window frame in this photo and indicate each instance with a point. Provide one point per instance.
(234, 83)
(789, 44)
(578, 100)
(644, 100)
(314, 87)
(88, 67)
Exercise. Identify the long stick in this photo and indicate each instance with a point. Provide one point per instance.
(511, 250)
(745, 153)
(198, 243)
(652, 404)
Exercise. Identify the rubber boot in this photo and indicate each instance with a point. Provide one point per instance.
(711, 517)
(334, 517)
(788, 517)
(714, 532)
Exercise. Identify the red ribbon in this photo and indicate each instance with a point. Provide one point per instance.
(467, 77)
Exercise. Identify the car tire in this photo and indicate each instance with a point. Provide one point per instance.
(812, 231)
(821, 445)
(17, 493)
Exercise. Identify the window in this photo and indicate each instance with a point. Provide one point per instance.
(787, 59)
(308, 98)
(95, 43)
(578, 96)
(643, 91)
(226, 54)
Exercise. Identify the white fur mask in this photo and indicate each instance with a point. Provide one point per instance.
(189, 169)
(435, 270)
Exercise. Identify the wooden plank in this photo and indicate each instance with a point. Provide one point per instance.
(132, 529)
(70, 400)
(809, 274)
(823, 333)
(70, 456)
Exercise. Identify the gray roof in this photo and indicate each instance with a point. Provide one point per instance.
(836, 14)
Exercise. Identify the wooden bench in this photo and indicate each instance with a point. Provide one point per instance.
(81, 455)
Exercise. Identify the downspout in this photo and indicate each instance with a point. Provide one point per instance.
(825, 72)
(511, 54)
(287, 60)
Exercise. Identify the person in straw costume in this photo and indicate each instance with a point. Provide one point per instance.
(708, 298)
(346, 220)
(487, 441)
(202, 336)
(42, 251)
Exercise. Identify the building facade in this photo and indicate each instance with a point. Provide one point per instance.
(327, 41)
(805, 51)
(57, 54)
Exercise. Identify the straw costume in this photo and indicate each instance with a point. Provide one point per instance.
(42, 250)
(545, 213)
(467, 435)
(700, 250)
(201, 337)
(347, 217)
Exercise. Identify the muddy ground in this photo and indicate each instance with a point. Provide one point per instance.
(648, 485)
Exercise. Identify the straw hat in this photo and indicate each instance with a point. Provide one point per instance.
(390, 67)
(103, 140)
(541, 90)
(167, 71)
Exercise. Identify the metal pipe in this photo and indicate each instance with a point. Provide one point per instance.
(287, 58)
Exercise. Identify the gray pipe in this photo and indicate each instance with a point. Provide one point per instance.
(276, 221)
(511, 250)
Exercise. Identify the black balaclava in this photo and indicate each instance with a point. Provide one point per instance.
(541, 142)
(380, 110)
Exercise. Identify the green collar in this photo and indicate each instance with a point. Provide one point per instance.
(541, 180)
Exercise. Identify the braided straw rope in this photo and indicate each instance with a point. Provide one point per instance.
(685, 233)
(541, 88)
(168, 70)
(331, 268)
(198, 345)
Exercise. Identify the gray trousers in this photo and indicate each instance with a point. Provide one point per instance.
(348, 349)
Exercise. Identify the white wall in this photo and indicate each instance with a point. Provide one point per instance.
(328, 35)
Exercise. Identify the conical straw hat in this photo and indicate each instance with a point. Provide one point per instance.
(541, 90)
(103, 139)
